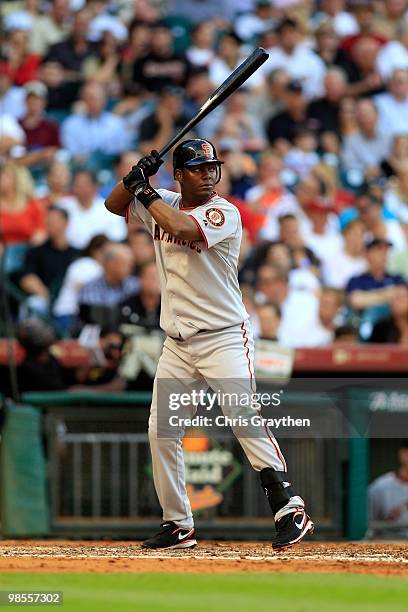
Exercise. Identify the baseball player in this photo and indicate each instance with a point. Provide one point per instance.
(197, 236)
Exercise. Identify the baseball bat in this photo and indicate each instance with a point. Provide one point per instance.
(231, 84)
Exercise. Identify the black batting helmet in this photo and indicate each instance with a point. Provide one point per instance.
(195, 152)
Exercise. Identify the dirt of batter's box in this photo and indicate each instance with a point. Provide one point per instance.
(208, 557)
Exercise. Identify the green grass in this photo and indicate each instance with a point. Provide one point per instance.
(216, 593)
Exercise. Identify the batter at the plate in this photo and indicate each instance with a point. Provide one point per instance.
(197, 237)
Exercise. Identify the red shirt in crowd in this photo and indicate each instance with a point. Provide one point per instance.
(46, 134)
(20, 226)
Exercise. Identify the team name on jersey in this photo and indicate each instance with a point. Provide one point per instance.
(160, 234)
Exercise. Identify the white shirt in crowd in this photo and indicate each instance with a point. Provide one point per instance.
(9, 127)
(338, 268)
(324, 245)
(200, 57)
(392, 113)
(396, 205)
(343, 23)
(82, 271)
(85, 223)
(303, 65)
(388, 501)
(219, 70)
(359, 152)
(391, 57)
(13, 102)
(299, 312)
(107, 133)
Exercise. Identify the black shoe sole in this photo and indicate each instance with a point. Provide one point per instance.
(308, 529)
(181, 545)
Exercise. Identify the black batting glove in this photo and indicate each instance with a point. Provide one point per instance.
(135, 180)
(150, 164)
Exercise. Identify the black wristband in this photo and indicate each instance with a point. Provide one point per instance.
(147, 195)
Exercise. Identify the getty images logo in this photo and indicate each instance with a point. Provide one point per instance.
(381, 401)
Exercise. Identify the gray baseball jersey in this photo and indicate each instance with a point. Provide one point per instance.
(199, 279)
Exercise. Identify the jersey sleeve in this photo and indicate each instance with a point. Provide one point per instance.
(137, 212)
(216, 221)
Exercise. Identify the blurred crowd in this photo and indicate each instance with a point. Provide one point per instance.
(315, 148)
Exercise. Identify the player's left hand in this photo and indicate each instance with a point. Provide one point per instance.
(150, 163)
(135, 180)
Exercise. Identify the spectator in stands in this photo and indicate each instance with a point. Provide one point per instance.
(322, 237)
(198, 90)
(364, 80)
(141, 243)
(250, 26)
(397, 161)
(12, 98)
(137, 47)
(50, 28)
(143, 309)
(376, 287)
(123, 165)
(289, 233)
(282, 128)
(87, 214)
(366, 149)
(346, 334)
(83, 270)
(349, 261)
(394, 54)
(23, 64)
(103, 375)
(302, 157)
(42, 135)
(21, 216)
(228, 58)
(293, 56)
(393, 105)
(269, 318)
(240, 125)
(62, 92)
(157, 129)
(396, 198)
(271, 99)
(40, 370)
(325, 111)
(344, 23)
(395, 327)
(45, 265)
(298, 305)
(72, 52)
(364, 14)
(328, 48)
(201, 51)
(377, 226)
(307, 191)
(347, 117)
(12, 137)
(387, 23)
(268, 193)
(103, 66)
(161, 66)
(388, 499)
(321, 329)
(99, 299)
(58, 182)
(94, 130)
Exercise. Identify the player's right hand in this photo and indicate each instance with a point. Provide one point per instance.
(150, 163)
